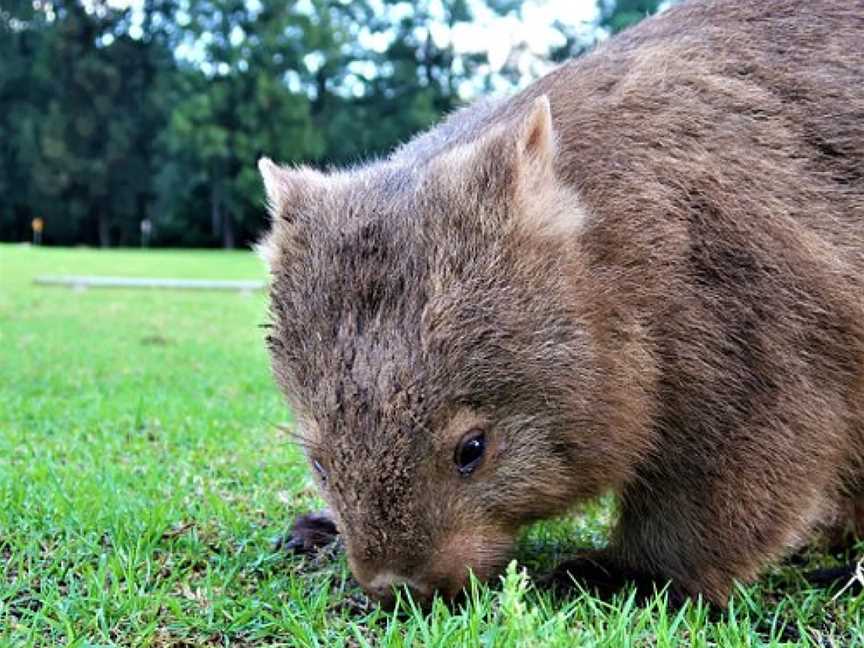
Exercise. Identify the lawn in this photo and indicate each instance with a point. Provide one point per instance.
(145, 478)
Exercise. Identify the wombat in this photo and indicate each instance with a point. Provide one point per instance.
(641, 275)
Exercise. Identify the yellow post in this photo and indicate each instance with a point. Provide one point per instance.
(38, 225)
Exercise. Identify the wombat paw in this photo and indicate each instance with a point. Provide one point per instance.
(311, 532)
(596, 573)
(590, 572)
(845, 578)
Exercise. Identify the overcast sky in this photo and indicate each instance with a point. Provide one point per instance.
(496, 35)
(533, 32)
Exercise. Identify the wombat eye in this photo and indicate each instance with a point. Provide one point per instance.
(319, 469)
(469, 452)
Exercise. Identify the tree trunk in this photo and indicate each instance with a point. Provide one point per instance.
(215, 210)
(227, 231)
(104, 229)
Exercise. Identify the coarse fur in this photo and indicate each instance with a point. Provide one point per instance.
(643, 274)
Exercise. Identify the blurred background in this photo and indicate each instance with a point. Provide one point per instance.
(138, 122)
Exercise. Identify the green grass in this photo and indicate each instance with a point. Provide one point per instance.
(144, 480)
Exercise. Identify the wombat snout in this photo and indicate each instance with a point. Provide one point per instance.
(382, 580)
(385, 584)
(443, 569)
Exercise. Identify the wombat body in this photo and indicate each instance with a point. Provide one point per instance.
(642, 275)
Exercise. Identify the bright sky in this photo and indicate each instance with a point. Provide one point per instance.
(528, 37)
(525, 40)
(494, 34)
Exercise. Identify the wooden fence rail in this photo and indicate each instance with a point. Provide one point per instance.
(84, 282)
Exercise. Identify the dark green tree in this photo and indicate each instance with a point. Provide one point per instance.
(83, 122)
(243, 99)
(24, 85)
(617, 15)
(113, 116)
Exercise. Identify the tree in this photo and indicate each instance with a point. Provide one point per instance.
(160, 112)
(617, 15)
(82, 119)
(23, 86)
(236, 105)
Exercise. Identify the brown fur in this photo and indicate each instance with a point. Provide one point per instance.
(642, 274)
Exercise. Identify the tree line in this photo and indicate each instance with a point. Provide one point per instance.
(112, 117)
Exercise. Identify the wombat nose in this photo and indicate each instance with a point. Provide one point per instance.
(384, 585)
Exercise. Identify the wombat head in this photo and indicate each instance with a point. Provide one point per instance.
(427, 335)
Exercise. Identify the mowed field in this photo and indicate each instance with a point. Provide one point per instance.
(145, 479)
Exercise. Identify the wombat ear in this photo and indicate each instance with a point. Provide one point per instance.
(545, 205)
(535, 139)
(287, 188)
(289, 191)
(512, 159)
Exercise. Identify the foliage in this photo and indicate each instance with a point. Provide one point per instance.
(618, 15)
(114, 116)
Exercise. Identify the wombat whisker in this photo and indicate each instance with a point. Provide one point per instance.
(296, 438)
(303, 441)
